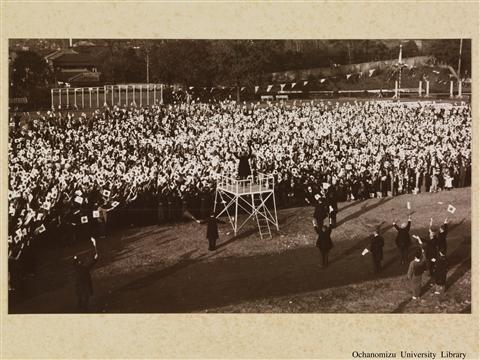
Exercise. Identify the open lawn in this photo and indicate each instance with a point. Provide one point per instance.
(161, 269)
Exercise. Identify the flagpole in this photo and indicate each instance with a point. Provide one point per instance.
(400, 71)
(459, 60)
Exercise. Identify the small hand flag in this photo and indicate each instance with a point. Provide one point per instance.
(84, 219)
(96, 214)
(451, 209)
(41, 229)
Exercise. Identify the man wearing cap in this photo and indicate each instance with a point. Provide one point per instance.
(403, 239)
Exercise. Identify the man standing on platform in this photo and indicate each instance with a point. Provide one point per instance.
(244, 169)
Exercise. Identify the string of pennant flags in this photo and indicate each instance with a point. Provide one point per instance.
(292, 86)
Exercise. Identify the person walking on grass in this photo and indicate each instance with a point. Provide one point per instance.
(415, 273)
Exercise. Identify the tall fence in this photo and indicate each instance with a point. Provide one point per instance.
(109, 95)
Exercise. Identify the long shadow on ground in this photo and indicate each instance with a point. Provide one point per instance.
(196, 285)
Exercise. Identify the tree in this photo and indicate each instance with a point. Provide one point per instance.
(410, 49)
(28, 71)
(241, 62)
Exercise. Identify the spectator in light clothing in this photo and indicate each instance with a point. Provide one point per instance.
(415, 272)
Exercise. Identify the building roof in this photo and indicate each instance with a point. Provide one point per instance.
(75, 60)
(58, 53)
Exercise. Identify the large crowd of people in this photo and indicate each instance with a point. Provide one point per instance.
(77, 173)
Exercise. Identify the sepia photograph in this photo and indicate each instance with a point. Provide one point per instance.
(156, 176)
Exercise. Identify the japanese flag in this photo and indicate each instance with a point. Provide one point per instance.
(41, 229)
(84, 219)
(115, 203)
(96, 214)
(451, 209)
(79, 200)
(106, 193)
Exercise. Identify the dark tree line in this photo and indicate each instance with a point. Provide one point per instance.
(227, 62)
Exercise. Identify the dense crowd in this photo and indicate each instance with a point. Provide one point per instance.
(135, 165)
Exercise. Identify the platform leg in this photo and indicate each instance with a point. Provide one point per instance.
(215, 202)
(275, 210)
(236, 213)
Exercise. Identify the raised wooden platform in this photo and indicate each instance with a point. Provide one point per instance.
(260, 184)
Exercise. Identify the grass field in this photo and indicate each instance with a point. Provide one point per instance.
(159, 269)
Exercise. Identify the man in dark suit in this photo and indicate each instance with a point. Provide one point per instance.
(332, 200)
(83, 279)
(376, 248)
(244, 169)
(212, 230)
(442, 237)
(324, 242)
(320, 212)
(403, 239)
